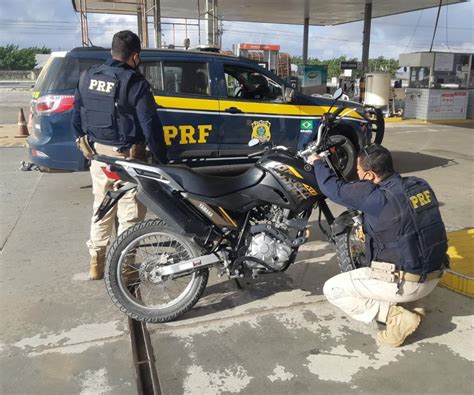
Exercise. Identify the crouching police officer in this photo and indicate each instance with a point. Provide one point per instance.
(405, 242)
(115, 113)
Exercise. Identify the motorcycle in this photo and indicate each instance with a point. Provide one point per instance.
(245, 225)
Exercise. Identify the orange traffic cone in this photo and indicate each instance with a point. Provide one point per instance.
(22, 128)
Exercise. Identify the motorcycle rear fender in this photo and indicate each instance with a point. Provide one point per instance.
(172, 209)
(111, 199)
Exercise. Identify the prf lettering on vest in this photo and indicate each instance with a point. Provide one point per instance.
(420, 199)
(101, 86)
(186, 134)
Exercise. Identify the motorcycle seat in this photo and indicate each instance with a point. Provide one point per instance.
(210, 185)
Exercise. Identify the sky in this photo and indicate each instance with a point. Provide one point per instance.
(54, 24)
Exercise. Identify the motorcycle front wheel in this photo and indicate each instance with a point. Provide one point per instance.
(350, 249)
(131, 280)
(344, 156)
(377, 121)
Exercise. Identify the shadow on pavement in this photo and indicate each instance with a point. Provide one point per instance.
(410, 162)
(443, 309)
(315, 263)
(465, 125)
(306, 275)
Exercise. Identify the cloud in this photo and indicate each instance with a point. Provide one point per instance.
(55, 24)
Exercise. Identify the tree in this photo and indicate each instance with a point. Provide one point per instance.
(14, 58)
(382, 64)
(334, 65)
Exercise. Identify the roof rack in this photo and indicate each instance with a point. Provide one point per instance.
(206, 48)
(85, 49)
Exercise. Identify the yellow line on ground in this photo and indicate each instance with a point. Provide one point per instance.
(437, 121)
(460, 277)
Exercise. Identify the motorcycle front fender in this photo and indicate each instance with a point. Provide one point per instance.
(341, 223)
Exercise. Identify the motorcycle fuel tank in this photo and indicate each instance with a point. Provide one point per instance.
(296, 178)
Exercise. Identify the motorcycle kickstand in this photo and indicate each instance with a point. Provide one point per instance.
(239, 286)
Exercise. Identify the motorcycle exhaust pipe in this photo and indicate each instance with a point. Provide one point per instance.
(189, 265)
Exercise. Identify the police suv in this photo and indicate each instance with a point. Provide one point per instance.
(210, 106)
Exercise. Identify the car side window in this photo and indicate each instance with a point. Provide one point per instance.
(246, 83)
(154, 75)
(186, 78)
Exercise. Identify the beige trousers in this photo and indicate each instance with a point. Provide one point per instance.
(365, 299)
(128, 210)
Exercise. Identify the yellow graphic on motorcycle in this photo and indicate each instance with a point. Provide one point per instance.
(310, 189)
(261, 131)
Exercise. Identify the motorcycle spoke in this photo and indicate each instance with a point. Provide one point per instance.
(148, 253)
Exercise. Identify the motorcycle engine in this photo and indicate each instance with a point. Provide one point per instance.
(269, 250)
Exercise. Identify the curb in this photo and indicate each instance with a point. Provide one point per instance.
(399, 120)
(460, 276)
(8, 139)
(6, 144)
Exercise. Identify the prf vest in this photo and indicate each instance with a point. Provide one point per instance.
(419, 244)
(106, 115)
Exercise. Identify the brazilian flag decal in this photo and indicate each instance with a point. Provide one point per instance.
(306, 124)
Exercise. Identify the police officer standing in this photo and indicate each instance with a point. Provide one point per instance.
(405, 242)
(114, 115)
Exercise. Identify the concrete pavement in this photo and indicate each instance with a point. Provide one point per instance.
(10, 102)
(61, 334)
(294, 342)
(279, 335)
(7, 136)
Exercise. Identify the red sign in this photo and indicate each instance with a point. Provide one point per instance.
(261, 47)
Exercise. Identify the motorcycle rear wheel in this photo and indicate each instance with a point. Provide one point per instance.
(129, 277)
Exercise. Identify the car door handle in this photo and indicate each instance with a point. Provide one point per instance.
(233, 110)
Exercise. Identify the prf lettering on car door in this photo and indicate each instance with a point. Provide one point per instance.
(186, 134)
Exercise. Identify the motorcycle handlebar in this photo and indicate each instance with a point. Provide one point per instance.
(338, 111)
(318, 150)
(316, 146)
(267, 149)
(258, 153)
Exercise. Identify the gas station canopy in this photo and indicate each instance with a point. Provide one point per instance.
(319, 12)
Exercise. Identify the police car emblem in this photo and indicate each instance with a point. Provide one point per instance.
(261, 131)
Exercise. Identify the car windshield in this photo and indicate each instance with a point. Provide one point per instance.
(62, 73)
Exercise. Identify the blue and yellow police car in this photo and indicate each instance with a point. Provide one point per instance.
(210, 106)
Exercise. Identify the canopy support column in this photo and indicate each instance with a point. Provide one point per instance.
(157, 22)
(84, 26)
(366, 40)
(305, 40)
(142, 23)
(212, 22)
